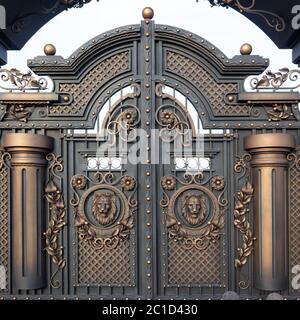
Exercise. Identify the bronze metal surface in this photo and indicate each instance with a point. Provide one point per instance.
(28, 163)
(269, 174)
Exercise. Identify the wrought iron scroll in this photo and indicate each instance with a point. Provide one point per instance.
(276, 80)
(106, 231)
(243, 199)
(57, 212)
(123, 118)
(201, 233)
(21, 81)
(272, 19)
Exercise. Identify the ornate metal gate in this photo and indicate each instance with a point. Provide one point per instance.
(213, 180)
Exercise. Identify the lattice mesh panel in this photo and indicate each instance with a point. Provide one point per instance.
(294, 218)
(213, 91)
(188, 267)
(3, 227)
(105, 267)
(92, 81)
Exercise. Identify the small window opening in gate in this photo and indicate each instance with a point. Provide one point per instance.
(186, 104)
(104, 164)
(193, 164)
(108, 107)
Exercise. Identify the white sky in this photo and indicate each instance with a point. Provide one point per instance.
(224, 28)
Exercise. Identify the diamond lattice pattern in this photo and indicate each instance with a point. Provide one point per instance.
(105, 267)
(212, 90)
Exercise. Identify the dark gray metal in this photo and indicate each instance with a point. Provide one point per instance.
(149, 56)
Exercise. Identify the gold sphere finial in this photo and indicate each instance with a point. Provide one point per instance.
(148, 13)
(246, 49)
(49, 50)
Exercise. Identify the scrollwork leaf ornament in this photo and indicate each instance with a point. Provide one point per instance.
(57, 212)
(243, 199)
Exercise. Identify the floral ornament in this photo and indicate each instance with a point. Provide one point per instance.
(79, 181)
(168, 183)
(128, 183)
(167, 117)
(129, 116)
(218, 183)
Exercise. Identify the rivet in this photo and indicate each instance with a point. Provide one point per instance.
(149, 287)
(147, 98)
(147, 47)
(148, 249)
(147, 85)
(147, 34)
(148, 237)
(148, 198)
(147, 123)
(148, 161)
(203, 113)
(148, 224)
(148, 186)
(148, 149)
(147, 59)
(147, 73)
(147, 110)
(148, 173)
(148, 262)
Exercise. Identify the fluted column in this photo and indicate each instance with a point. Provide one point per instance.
(28, 163)
(269, 173)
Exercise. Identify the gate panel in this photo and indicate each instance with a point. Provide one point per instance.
(149, 189)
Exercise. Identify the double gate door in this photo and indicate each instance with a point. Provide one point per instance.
(141, 143)
(150, 190)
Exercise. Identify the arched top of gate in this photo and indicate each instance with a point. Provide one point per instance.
(116, 59)
(213, 59)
